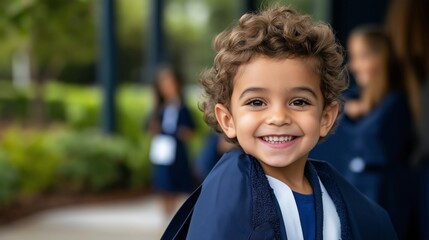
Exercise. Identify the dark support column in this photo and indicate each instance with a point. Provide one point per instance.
(155, 48)
(107, 64)
(346, 15)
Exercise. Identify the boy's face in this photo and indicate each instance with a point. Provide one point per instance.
(277, 111)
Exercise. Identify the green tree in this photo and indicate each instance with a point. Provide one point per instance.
(52, 33)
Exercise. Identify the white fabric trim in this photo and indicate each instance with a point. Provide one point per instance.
(331, 220)
(290, 214)
(288, 208)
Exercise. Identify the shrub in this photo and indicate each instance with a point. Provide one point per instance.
(30, 154)
(14, 105)
(134, 103)
(92, 161)
(56, 110)
(9, 178)
(75, 157)
(138, 163)
(83, 107)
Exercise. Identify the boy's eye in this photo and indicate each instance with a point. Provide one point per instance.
(300, 103)
(256, 103)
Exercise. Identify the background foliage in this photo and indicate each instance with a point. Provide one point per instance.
(61, 36)
(69, 154)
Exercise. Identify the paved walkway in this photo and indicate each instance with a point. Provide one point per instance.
(128, 220)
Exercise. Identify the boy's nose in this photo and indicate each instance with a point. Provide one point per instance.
(279, 116)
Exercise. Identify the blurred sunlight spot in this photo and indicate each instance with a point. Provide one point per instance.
(197, 12)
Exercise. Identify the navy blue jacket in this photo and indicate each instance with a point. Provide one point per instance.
(236, 202)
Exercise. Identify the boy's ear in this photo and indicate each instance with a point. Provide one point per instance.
(225, 120)
(329, 116)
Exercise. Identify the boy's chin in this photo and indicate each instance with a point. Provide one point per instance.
(279, 162)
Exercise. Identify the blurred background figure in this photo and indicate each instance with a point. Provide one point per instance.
(171, 126)
(386, 127)
(407, 24)
(374, 68)
(214, 147)
(376, 130)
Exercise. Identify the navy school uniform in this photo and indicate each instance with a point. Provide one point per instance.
(423, 203)
(176, 177)
(236, 202)
(423, 175)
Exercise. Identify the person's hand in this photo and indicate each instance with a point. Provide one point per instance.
(223, 145)
(154, 127)
(354, 109)
(185, 134)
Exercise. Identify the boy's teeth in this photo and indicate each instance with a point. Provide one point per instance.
(276, 139)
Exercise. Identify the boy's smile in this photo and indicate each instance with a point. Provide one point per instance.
(277, 113)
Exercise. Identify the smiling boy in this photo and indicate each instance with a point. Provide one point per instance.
(274, 91)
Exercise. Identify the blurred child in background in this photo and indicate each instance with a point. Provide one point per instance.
(376, 131)
(374, 68)
(214, 147)
(171, 126)
(383, 123)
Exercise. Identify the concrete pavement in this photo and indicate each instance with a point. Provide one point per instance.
(127, 220)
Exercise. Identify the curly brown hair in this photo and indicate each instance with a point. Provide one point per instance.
(277, 32)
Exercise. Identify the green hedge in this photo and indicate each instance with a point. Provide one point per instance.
(97, 162)
(62, 160)
(9, 186)
(76, 156)
(33, 157)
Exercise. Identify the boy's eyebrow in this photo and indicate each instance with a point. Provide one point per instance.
(305, 89)
(295, 89)
(251, 89)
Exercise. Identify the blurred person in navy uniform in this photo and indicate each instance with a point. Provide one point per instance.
(214, 147)
(375, 133)
(171, 126)
(408, 26)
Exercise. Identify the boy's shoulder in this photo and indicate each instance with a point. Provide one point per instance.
(229, 177)
(232, 166)
(224, 207)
